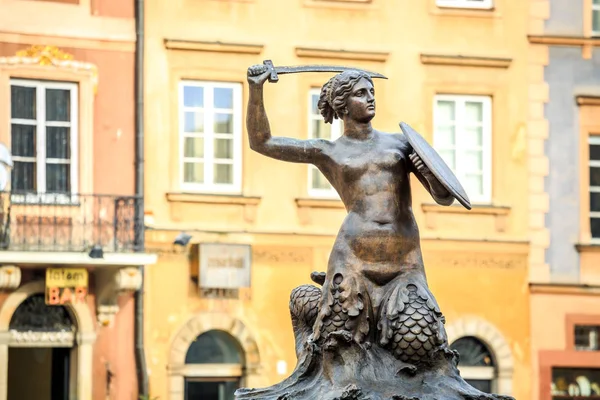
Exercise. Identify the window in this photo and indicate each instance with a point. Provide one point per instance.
(587, 337)
(211, 135)
(318, 186)
(575, 383)
(462, 136)
(594, 143)
(481, 4)
(595, 17)
(44, 136)
(476, 363)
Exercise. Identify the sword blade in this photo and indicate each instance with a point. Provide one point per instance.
(323, 68)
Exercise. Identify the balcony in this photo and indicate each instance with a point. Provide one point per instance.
(54, 222)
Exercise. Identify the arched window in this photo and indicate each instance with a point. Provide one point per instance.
(476, 364)
(214, 367)
(34, 315)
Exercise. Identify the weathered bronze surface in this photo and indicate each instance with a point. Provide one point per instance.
(436, 165)
(374, 330)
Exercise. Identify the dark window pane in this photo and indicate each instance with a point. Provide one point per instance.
(594, 151)
(223, 98)
(562, 378)
(58, 105)
(23, 140)
(22, 102)
(484, 385)
(595, 227)
(214, 347)
(193, 96)
(210, 390)
(594, 176)
(596, 22)
(58, 142)
(23, 176)
(594, 201)
(473, 353)
(58, 179)
(587, 337)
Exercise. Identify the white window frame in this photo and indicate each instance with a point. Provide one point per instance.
(336, 132)
(209, 138)
(480, 5)
(486, 146)
(41, 86)
(595, 9)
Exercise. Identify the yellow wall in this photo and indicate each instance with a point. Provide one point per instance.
(291, 236)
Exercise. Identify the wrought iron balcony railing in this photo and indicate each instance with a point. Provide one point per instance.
(70, 222)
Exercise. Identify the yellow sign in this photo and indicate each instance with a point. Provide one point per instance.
(66, 285)
(66, 277)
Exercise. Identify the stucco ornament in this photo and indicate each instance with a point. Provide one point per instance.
(372, 330)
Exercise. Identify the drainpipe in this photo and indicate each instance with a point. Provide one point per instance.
(140, 356)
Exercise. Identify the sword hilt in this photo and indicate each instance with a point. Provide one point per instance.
(273, 78)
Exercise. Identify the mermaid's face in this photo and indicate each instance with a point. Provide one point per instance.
(360, 104)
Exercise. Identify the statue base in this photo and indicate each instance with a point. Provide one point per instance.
(349, 371)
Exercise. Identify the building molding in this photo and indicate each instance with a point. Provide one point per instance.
(564, 40)
(202, 323)
(86, 335)
(216, 46)
(584, 100)
(32, 258)
(342, 54)
(465, 61)
(490, 335)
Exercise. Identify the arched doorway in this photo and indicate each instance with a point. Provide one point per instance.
(41, 369)
(476, 365)
(214, 367)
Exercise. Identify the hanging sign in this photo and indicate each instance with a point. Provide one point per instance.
(66, 285)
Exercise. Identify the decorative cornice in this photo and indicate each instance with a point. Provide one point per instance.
(218, 47)
(10, 277)
(588, 100)
(465, 61)
(564, 289)
(50, 56)
(564, 40)
(342, 54)
(41, 338)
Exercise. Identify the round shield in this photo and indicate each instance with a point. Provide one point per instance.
(436, 165)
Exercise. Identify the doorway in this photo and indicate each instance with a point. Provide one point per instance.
(214, 365)
(210, 389)
(39, 362)
(38, 373)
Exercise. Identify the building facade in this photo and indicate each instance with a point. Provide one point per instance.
(70, 240)
(255, 228)
(564, 129)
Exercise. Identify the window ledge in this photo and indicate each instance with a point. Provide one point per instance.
(213, 199)
(456, 11)
(592, 247)
(320, 203)
(481, 209)
(499, 213)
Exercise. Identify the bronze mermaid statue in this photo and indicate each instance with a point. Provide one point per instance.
(373, 330)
